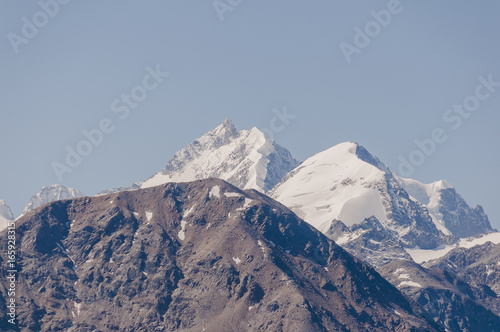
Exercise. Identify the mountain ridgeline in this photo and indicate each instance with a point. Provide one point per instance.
(183, 251)
(195, 256)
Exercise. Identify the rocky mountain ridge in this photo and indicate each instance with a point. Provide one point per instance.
(453, 303)
(195, 256)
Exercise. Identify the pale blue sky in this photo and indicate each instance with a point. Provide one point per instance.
(263, 55)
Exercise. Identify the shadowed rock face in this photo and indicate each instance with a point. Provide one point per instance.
(479, 266)
(199, 256)
(449, 300)
(370, 240)
(460, 218)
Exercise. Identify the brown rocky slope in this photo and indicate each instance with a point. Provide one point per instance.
(198, 256)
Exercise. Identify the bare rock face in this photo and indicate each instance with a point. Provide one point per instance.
(460, 218)
(453, 303)
(198, 256)
(370, 240)
(478, 266)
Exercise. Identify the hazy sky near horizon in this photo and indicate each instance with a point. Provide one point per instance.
(346, 70)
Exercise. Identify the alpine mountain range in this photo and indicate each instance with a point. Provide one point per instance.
(439, 255)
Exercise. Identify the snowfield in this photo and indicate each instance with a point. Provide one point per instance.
(421, 255)
(333, 184)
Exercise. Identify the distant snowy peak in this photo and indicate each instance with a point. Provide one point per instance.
(355, 199)
(349, 184)
(49, 194)
(247, 159)
(5, 215)
(448, 208)
(5, 212)
(330, 185)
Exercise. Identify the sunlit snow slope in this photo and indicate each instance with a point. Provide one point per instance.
(338, 191)
(333, 184)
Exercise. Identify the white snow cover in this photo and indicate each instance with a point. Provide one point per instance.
(188, 212)
(428, 195)
(215, 192)
(410, 284)
(348, 237)
(5, 215)
(229, 194)
(78, 307)
(247, 203)
(261, 246)
(49, 194)
(333, 184)
(406, 279)
(421, 255)
(182, 232)
(239, 157)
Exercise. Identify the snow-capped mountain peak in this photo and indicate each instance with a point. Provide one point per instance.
(49, 194)
(332, 184)
(219, 136)
(5, 212)
(5, 215)
(352, 197)
(448, 208)
(247, 158)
